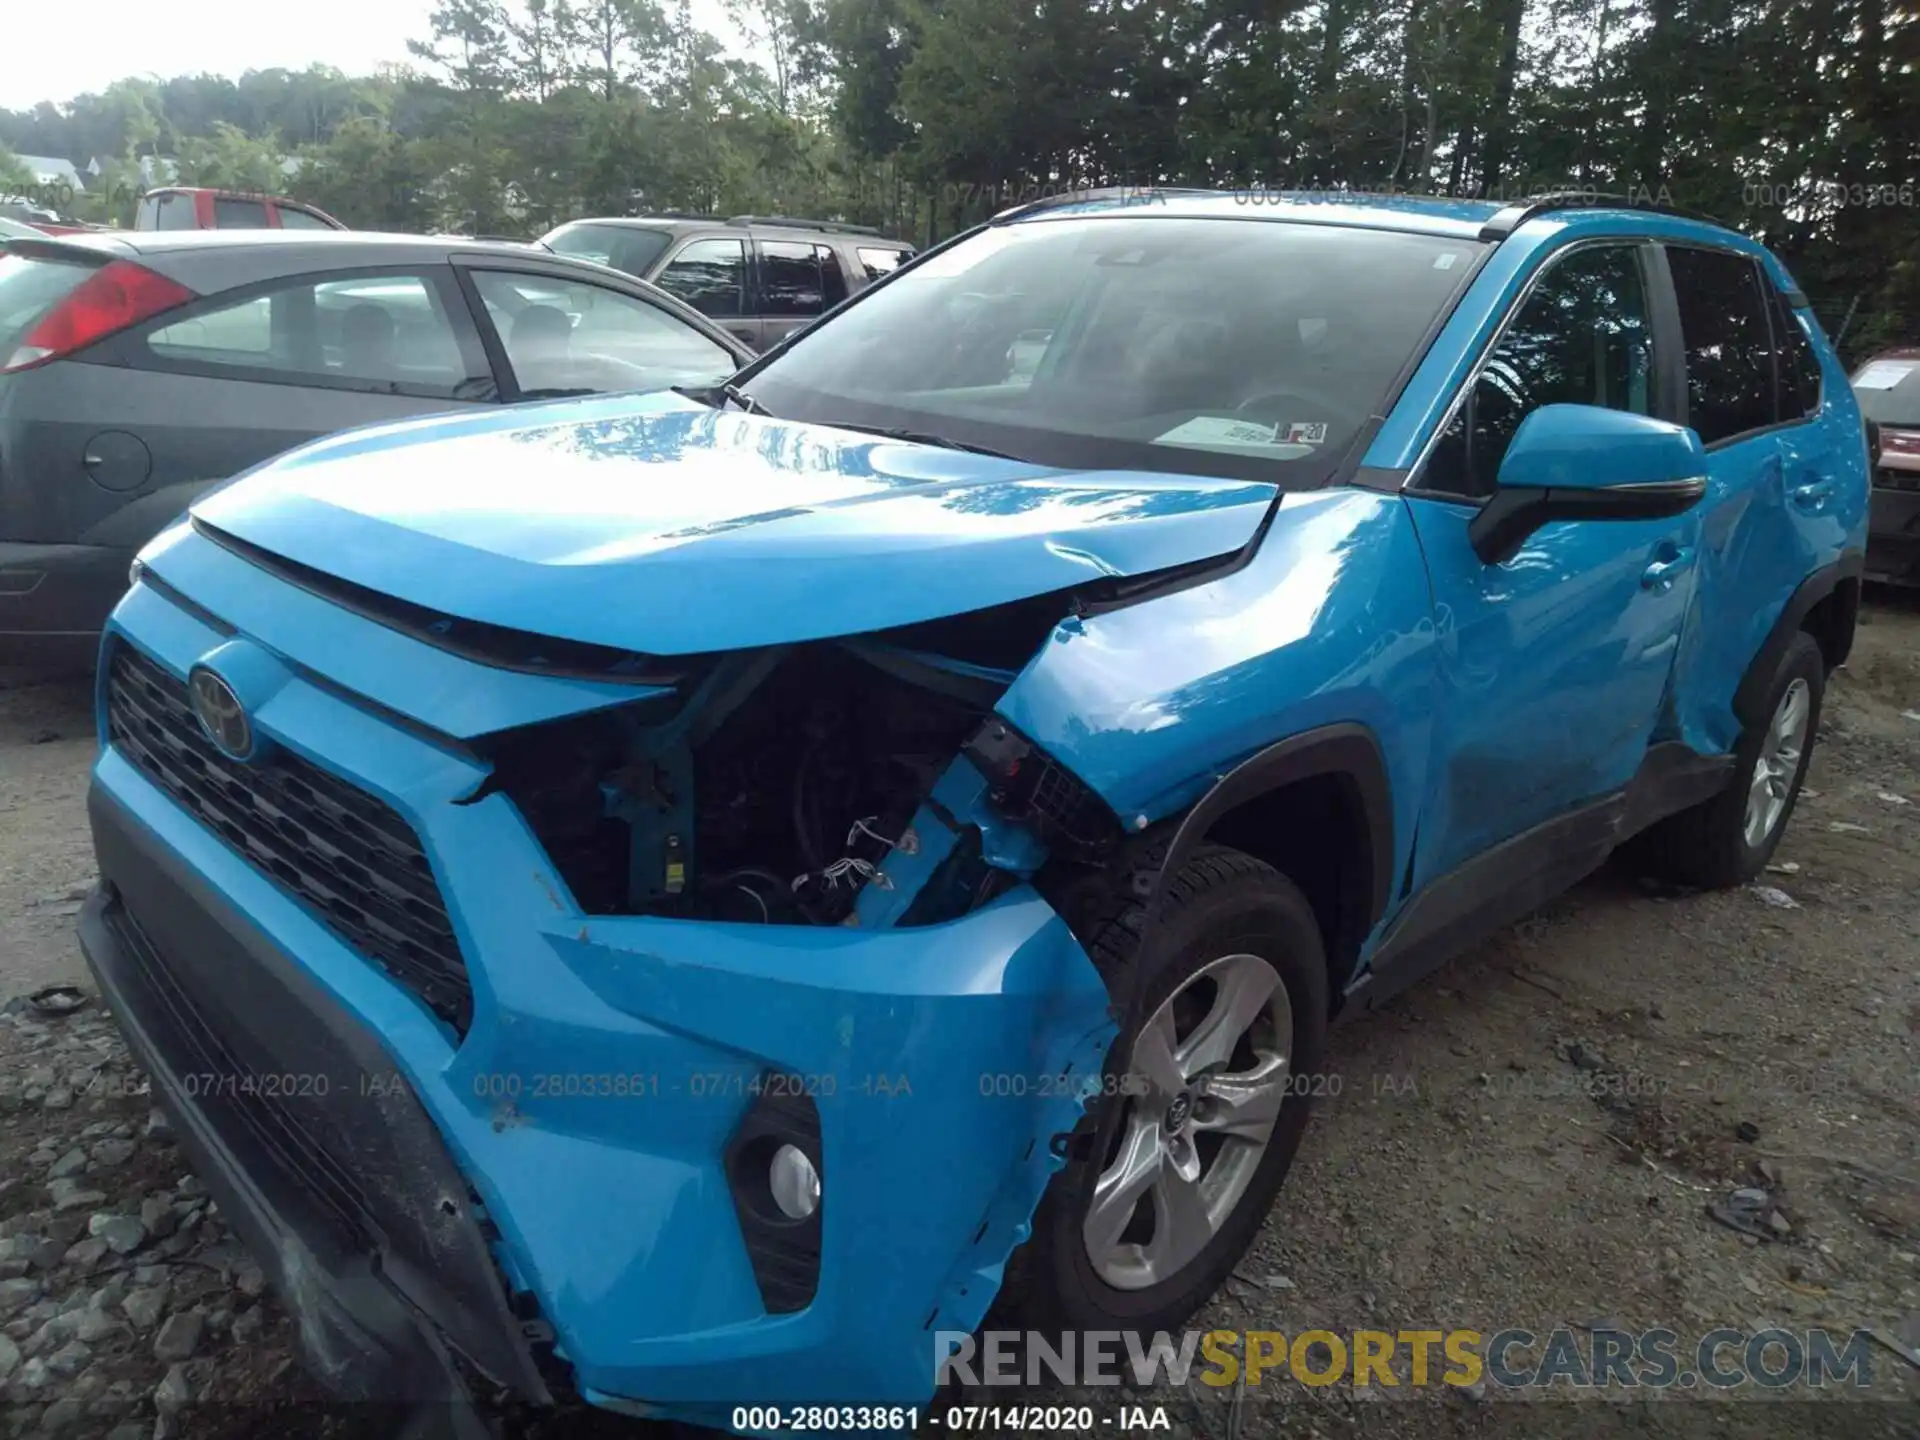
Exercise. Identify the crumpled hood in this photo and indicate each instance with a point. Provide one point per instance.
(654, 524)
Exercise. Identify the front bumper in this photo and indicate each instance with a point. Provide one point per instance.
(934, 1057)
(54, 600)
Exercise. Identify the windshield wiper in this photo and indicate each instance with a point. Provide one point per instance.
(558, 392)
(920, 437)
(718, 395)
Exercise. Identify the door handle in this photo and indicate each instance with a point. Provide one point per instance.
(1811, 496)
(1659, 576)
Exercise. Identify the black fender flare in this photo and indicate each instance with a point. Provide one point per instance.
(1346, 749)
(1752, 691)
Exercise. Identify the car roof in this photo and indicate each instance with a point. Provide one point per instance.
(322, 242)
(1419, 214)
(722, 223)
(211, 261)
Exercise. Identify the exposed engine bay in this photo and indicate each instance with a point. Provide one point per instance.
(850, 782)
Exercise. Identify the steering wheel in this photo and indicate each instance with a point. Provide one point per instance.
(1306, 405)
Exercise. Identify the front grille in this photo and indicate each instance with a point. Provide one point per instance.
(344, 853)
(267, 1107)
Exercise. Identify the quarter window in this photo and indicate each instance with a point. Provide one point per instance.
(709, 275)
(1799, 378)
(1583, 337)
(1723, 319)
(292, 219)
(877, 262)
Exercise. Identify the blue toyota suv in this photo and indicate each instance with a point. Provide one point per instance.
(684, 900)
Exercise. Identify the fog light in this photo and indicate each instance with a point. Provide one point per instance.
(794, 1182)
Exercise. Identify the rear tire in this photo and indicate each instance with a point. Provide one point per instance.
(1729, 839)
(1230, 927)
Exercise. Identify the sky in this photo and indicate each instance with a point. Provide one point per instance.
(51, 51)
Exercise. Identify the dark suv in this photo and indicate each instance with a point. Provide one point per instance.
(762, 277)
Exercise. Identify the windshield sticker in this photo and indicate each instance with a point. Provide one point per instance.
(1444, 260)
(1304, 433)
(1216, 432)
(1884, 374)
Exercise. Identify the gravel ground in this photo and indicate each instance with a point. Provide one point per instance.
(1530, 1139)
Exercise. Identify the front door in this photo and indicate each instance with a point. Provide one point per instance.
(710, 274)
(1555, 664)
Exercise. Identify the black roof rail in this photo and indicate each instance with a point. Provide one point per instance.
(1139, 193)
(838, 227)
(1510, 218)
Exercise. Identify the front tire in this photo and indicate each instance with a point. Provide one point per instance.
(1729, 839)
(1216, 1100)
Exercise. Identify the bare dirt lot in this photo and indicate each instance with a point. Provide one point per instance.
(1530, 1140)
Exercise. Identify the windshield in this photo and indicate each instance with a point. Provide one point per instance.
(1247, 348)
(1889, 391)
(620, 247)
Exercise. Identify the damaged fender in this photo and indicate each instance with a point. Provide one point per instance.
(943, 1062)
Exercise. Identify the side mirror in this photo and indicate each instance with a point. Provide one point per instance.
(1584, 462)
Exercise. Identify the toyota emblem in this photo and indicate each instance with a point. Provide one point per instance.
(221, 714)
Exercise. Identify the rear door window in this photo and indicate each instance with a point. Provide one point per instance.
(1723, 319)
(239, 214)
(709, 275)
(833, 279)
(395, 334)
(790, 283)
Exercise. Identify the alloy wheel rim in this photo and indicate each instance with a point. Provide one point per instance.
(1781, 749)
(1207, 1084)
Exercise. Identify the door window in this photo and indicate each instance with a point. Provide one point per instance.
(239, 214)
(1583, 337)
(389, 333)
(565, 337)
(176, 212)
(709, 275)
(833, 279)
(1723, 319)
(793, 278)
(1798, 387)
(620, 246)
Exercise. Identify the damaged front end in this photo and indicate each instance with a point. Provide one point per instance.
(865, 782)
(735, 967)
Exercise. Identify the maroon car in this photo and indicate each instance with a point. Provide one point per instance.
(1888, 387)
(191, 207)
